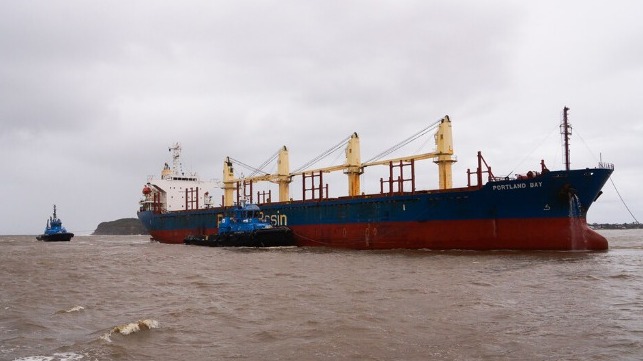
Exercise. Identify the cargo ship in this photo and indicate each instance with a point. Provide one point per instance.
(539, 210)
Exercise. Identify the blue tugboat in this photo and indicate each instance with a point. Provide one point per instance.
(245, 228)
(54, 231)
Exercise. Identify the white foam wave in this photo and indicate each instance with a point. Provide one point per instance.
(140, 325)
(73, 309)
(64, 356)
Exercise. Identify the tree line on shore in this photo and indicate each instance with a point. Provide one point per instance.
(633, 225)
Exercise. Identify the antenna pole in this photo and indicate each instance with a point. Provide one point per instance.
(566, 131)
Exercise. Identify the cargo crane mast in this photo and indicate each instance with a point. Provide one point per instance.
(443, 154)
(282, 178)
(353, 167)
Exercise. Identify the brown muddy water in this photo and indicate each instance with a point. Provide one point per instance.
(126, 298)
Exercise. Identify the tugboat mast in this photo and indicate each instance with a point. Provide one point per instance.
(566, 131)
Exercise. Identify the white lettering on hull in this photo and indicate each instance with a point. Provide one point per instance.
(509, 187)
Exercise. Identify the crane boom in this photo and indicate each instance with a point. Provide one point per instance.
(443, 157)
(403, 159)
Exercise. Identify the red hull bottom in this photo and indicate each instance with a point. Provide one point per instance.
(511, 234)
(177, 236)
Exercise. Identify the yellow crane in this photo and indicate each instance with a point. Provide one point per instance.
(352, 167)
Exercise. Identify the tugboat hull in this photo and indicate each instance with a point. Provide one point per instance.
(57, 237)
(269, 237)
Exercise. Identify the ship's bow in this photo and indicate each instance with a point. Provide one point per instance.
(588, 186)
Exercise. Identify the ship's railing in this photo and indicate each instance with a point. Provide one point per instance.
(603, 165)
(398, 179)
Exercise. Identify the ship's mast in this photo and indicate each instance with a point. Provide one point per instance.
(228, 182)
(444, 153)
(283, 174)
(353, 165)
(566, 131)
(176, 156)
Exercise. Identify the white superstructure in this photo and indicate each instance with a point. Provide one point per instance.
(176, 190)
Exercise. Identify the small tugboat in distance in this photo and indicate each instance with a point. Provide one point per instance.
(245, 228)
(54, 231)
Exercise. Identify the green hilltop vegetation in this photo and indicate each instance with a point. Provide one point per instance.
(123, 226)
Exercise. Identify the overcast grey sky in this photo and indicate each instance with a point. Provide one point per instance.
(92, 93)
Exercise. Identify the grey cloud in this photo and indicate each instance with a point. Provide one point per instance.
(105, 87)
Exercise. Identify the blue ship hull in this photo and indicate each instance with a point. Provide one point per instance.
(546, 212)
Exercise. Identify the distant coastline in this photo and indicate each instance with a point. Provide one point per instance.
(633, 225)
(133, 226)
(123, 226)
